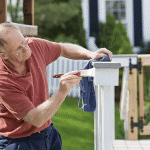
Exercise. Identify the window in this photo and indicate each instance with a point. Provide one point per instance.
(117, 8)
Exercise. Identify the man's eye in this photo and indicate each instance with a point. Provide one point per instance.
(20, 50)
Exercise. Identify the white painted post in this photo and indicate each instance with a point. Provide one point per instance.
(105, 78)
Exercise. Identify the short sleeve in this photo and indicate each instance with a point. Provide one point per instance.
(50, 50)
(15, 101)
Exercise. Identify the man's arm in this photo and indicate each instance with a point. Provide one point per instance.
(42, 113)
(73, 51)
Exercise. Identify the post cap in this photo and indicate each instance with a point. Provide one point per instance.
(110, 65)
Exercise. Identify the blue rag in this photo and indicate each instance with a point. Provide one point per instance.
(87, 93)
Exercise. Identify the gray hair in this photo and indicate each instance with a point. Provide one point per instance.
(4, 27)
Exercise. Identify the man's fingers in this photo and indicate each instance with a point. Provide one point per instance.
(68, 80)
(70, 77)
(103, 55)
(106, 51)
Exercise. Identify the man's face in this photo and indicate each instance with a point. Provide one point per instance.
(17, 48)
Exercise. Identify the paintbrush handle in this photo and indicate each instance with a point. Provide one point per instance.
(59, 75)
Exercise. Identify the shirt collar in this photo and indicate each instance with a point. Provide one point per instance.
(15, 73)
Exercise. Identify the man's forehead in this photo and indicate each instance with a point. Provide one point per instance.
(13, 36)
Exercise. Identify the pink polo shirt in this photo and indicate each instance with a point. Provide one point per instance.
(19, 94)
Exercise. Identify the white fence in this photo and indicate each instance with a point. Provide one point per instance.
(63, 65)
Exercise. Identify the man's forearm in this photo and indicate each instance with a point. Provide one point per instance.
(73, 51)
(42, 113)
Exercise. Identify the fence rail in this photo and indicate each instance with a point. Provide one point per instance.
(64, 65)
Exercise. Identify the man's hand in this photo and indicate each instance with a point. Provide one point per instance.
(101, 53)
(68, 80)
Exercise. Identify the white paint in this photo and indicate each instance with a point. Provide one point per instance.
(104, 115)
(102, 11)
(124, 94)
(131, 145)
(85, 14)
(65, 65)
(91, 44)
(146, 19)
(105, 76)
(124, 59)
(129, 19)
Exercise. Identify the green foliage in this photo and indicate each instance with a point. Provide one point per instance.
(145, 48)
(14, 11)
(76, 127)
(113, 36)
(106, 31)
(63, 19)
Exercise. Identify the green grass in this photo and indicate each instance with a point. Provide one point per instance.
(77, 127)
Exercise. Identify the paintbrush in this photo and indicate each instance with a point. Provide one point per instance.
(81, 73)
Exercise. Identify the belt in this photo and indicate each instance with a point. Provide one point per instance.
(43, 132)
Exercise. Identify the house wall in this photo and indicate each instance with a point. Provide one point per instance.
(146, 20)
(129, 19)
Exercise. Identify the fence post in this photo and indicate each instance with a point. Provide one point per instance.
(105, 78)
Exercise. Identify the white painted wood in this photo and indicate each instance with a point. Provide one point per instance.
(106, 77)
(74, 87)
(104, 116)
(27, 30)
(107, 116)
(124, 94)
(131, 145)
(65, 67)
(130, 23)
(85, 14)
(126, 124)
(98, 121)
(91, 44)
(146, 20)
(104, 127)
(124, 59)
(102, 11)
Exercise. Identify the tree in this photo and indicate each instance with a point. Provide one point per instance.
(60, 20)
(105, 32)
(14, 11)
(113, 36)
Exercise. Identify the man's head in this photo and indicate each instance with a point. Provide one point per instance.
(13, 45)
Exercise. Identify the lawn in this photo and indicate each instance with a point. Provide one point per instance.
(77, 127)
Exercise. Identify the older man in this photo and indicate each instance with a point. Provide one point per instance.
(25, 106)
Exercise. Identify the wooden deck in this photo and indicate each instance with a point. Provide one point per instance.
(131, 145)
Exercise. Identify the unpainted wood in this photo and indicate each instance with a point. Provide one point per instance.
(28, 10)
(3, 11)
(141, 94)
(145, 59)
(146, 130)
(133, 105)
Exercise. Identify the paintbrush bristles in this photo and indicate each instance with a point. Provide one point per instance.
(87, 72)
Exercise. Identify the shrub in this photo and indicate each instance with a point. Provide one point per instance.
(113, 36)
(57, 19)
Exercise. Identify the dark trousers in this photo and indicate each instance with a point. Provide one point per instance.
(47, 139)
